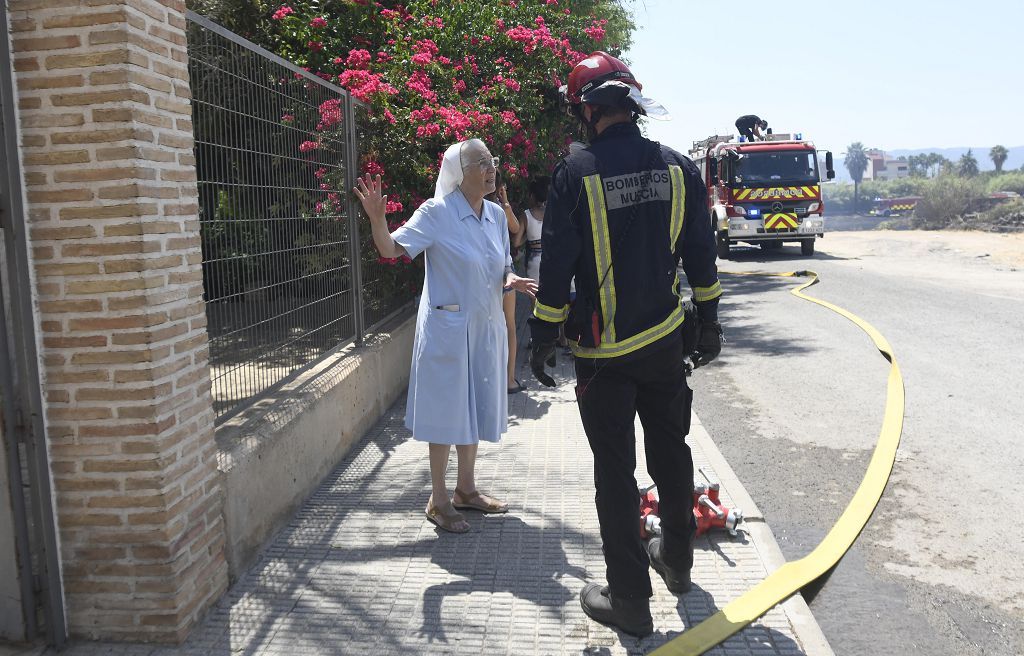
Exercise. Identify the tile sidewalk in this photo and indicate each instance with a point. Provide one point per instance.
(358, 570)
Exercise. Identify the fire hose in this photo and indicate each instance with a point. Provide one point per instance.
(794, 575)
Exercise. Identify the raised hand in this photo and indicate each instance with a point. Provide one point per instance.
(368, 191)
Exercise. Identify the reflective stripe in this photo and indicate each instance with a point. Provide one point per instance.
(638, 341)
(548, 313)
(678, 205)
(602, 254)
(707, 293)
(780, 221)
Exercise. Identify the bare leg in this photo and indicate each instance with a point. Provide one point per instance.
(438, 489)
(467, 467)
(465, 488)
(508, 306)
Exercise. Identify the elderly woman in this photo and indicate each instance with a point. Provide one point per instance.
(457, 392)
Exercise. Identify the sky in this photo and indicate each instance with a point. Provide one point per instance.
(895, 74)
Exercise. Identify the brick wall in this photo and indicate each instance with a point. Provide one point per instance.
(110, 179)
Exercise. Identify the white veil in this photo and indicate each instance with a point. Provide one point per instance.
(450, 176)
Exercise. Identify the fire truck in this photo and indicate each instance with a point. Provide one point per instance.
(895, 206)
(763, 192)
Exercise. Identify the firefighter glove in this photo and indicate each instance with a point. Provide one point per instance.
(709, 344)
(540, 354)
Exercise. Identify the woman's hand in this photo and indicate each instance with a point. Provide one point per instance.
(526, 286)
(503, 195)
(368, 190)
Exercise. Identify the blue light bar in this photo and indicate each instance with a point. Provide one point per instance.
(753, 211)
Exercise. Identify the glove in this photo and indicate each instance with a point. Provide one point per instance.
(709, 344)
(542, 353)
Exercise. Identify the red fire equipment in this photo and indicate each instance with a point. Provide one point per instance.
(707, 509)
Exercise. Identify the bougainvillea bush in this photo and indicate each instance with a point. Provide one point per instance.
(434, 72)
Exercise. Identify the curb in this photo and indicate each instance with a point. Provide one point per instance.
(805, 627)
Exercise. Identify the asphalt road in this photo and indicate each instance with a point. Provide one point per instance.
(795, 403)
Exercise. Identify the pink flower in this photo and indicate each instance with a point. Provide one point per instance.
(307, 146)
(287, 118)
(551, 2)
(428, 130)
(315, 46)
(358, 59)
(320, 173)
(364, 84)
(459, 86)
(373, 168)
(318, 22)
(389, 117)
(384, 57)
(420, 83)
(281, 13)
(330, 114)
(389, 13)
(392, 207)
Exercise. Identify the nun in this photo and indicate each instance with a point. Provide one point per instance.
(457, 391)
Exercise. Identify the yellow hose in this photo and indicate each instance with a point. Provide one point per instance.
(792, 576)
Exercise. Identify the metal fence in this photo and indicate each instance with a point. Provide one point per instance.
(276, 153)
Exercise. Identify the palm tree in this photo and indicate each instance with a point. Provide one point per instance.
(856, 163)
(998, 155)
(967, 167)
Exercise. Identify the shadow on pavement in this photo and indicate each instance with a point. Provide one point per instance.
(528, 563)
(746, 330)
(740, 254)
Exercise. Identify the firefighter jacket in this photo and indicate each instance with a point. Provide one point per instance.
(621, 213)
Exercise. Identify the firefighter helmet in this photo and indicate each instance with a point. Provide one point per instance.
(601, 79)
(596, 69)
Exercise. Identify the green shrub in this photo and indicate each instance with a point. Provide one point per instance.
(946, 201)
(1013, 181)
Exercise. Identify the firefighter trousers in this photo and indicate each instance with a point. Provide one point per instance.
(610, 394)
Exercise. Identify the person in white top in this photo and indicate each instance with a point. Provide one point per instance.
(508, 299)
(538, 195)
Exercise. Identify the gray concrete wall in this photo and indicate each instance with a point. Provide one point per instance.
(12, 625)
(273, 455)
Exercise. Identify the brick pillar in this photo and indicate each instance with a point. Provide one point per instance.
(111, 184)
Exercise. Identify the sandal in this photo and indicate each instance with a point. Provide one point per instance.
(445, 519)
(477, 501)
(518, 388)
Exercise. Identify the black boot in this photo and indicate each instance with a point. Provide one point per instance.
(678, 581)
(633, 616)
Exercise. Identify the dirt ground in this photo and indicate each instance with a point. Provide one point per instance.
(1003, 250)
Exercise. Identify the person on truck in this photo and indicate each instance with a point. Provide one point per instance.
(750, 126)
(621, 213)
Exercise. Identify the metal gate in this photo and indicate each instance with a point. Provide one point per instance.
(22, 430)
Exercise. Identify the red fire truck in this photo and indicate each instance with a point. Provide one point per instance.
(895, 206)
(763, 192)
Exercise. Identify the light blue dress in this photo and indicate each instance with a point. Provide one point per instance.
(457, 382)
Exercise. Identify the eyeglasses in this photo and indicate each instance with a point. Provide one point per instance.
(487, 163)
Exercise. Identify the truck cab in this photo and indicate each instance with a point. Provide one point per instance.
(764, 192)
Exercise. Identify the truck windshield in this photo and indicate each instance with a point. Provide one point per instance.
(796, 167)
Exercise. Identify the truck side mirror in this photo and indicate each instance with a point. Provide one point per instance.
(713, 170)
(830, 172)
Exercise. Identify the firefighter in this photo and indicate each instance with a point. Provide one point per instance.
(622, 212)
(750, 126)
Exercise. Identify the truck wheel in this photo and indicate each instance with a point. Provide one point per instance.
(723, 247)
(807, 246)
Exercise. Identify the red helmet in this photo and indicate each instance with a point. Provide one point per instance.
(596, 69)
